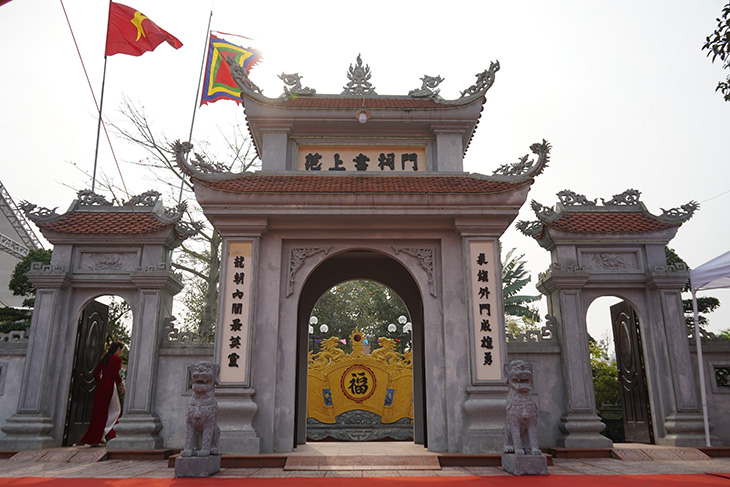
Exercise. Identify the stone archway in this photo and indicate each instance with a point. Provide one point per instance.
(617, 248)
(99, 248)
(376, 266)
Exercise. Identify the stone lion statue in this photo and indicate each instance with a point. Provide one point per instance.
(520, 430)
(202, 429)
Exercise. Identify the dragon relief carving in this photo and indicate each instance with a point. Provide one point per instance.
(240, 76)
(198, 163)
(530, 229)
(86, 197)
(485, 80)
(147, 199)
(37, 213)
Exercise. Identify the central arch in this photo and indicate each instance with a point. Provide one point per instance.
(370, 265)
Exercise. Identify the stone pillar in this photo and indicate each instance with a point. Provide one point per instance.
(236, 410)
(32, 426)
(449, 149)
(684, 424)
(485, 410)
(275, 148)
(580, 425)
(138, 427)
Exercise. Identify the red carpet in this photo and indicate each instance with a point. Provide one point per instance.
(678, 480)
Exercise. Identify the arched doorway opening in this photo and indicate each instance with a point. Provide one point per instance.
(619, 371)
(103, 320)
(370, 266)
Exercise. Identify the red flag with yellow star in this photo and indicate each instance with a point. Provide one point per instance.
(131, 32)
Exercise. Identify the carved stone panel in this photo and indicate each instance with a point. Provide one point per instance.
(610, 261)
(107, 261)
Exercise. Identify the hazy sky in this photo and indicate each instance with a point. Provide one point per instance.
(621, 89)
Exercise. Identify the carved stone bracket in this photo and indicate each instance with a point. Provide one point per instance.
(425, 260)
(359, 77)
(297, 257)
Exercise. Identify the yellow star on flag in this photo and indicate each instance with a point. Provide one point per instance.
(137, 21)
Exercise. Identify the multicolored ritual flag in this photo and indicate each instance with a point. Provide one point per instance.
(131, 32)
(218, 83)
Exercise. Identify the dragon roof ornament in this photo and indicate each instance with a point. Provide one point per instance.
(485, 80)
(198, 166)
(428, 87)
(626, 202)
(295, 81)
(526, 168)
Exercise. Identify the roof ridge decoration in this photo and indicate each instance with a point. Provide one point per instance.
(240, 76)
(359, 77)
(295, 81)
(86, 199)
(626, 202)
(428, 88)
(525, 168)
(199, 166)
(485, 80)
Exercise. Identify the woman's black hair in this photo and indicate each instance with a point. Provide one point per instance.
(112, 349)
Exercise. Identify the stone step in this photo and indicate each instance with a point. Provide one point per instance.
(659, 453)
(363, 462)
(60, 455)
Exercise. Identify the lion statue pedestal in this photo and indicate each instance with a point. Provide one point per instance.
(200, 456)
(521, 456)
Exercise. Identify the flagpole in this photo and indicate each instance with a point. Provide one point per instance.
(98, 126)
(197, 94)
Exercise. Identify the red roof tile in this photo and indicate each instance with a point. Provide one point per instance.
(608, 222)
(260, 183)
(106, 223)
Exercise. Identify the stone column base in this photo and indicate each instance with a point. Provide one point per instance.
(136, 432)
(524, 464)
(582, 430)
(485, 413)
(28, 432)
(197, 466)
(683, 429)
(236, 410)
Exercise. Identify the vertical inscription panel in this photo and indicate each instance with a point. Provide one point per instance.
(233, 331)
(484, 292)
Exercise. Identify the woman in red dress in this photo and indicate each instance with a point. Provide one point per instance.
(107, 407)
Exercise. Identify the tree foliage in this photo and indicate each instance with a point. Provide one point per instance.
(367, 305)
(717, 46)
(19, 282)
(514, 278)
(705, 304)
(605, 373)
(199, 256)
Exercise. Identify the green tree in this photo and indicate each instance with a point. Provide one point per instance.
(605, 373)
(717, 45)
(367, 305)
(705, 304)
(19, 282)
(519, 317)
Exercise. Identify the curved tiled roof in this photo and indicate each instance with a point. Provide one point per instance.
(608, 222)
(263, 183)
(374, 103)
(113, 223)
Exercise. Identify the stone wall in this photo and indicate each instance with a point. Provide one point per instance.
(12, 361)
(173, 387)
(715, 353)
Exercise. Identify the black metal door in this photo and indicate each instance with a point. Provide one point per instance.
(89, 349)
(631, 376)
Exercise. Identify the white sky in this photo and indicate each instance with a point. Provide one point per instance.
(621, 89)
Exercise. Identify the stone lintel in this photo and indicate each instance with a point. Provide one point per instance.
(562, 280)
(674, 280)
(50, 279)
(163, 280)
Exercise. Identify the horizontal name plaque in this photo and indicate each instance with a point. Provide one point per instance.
(380, 159)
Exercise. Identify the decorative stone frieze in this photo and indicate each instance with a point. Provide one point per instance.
(545, 334)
